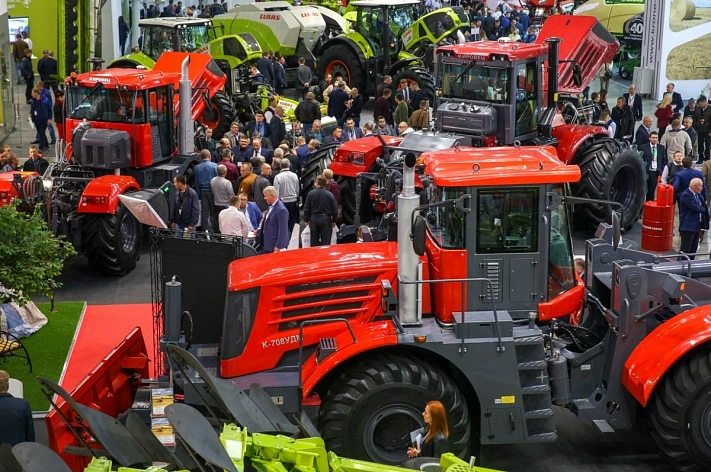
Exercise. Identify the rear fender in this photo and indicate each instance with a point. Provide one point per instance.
(662, 348)
(369, 337)
(109, 388)
(355, 41)
(571, 137)
(132, 61)
(101, 194)
(412, 61)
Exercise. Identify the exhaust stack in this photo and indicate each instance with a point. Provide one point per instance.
(186, 128)
(553, 47)
(407, 260)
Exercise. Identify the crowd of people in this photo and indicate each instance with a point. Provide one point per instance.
(201, 9)
(504, 22)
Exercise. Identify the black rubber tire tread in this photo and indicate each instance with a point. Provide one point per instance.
(226, 109)
(71, 36)
(102, 242)
(345, 54)
(314, 167)
(676, 412)
(424, 79)
(378, 381)
(347, 185)
(600, 159)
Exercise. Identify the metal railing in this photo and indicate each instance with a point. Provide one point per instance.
(462, 349)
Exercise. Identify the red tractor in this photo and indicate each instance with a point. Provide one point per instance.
(495, 94)
(123, 138)
(477, 306)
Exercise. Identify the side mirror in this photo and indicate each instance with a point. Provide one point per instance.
(616, 230)
(418, 235)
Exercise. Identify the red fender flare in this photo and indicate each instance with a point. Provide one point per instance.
(369, 337)
(662, 348)
(571, 137)
(101, 195)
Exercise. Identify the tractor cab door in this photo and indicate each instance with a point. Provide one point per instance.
(160, 101)
(371, 24)
(526, 99)
(506, 249)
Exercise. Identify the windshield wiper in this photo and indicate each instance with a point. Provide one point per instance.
(88, 95)
(466, 69)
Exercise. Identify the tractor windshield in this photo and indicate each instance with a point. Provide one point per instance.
(401, 18)
(159, 39)
(447, 225)
(561, 274)
(473, 81)
(104, 104)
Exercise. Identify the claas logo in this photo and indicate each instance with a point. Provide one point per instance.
(269, 17)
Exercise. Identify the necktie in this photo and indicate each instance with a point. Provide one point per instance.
(654, 152)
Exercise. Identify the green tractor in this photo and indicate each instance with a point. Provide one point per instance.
(386, 37)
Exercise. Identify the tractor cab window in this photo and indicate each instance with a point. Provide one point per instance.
(193, 37)
(99, 103)
(371, 24)
(157, 40)
(159, 106)
(526, 98)
(251, 42)
(473, 81)
(507, 220)
(439, 23)
(561, 275)
(446, 224)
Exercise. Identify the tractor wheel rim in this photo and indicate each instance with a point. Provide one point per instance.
(387, 433)
(128, 234)
(339, 66)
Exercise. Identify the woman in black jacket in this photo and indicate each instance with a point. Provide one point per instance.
(432, 440)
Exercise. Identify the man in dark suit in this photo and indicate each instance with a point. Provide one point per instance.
(280, 82)
(634, 101)
(274, 234)
(683, 178)
(16, 414)
(258, 125)
(641, 137)
(655, 158)
(243, 151)
(278, 127)
(677, 101)
(385, 84)
(692, 210)
(702, 125)
(337, 103)
(260, 151)
(266, 68)
(352, 132)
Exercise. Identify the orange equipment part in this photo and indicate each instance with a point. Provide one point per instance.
(657, 226)
(665, 195)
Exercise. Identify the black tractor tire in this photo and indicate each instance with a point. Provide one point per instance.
(624, 73)
(611, 170)
(112, 243)
(342, 58)
(347, 185)
(371, 408)
(424, 79)
(220, 115)
(681, 413)
(314, 167)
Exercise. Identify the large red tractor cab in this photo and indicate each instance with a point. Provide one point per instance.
(128, 131)
(126, 118)
(498, 92)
